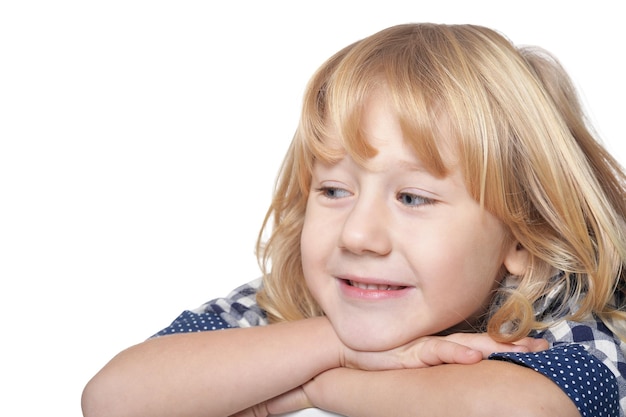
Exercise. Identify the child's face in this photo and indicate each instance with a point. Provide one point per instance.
(391, 252)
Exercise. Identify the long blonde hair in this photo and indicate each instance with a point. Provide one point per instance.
(525, 148)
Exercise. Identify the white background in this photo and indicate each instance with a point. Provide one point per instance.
(139, 142)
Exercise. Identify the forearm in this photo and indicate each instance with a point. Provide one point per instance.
(489, 388)
(211, 373)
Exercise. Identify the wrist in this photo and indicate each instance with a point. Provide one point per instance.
(326, 343)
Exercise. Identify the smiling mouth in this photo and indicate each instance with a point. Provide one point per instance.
(374, 287)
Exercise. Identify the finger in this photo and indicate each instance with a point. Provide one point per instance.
(533, 344)
(437, 351)
(293, 400)
(486, 345)
(259, 410)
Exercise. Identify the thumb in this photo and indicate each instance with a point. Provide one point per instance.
(293, 400)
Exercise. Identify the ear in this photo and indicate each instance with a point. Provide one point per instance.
(516, 259)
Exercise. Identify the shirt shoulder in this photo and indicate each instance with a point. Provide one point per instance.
(586, 360)
(237, 309)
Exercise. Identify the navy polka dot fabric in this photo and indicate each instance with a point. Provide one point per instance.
(189, 322)
(585, 379)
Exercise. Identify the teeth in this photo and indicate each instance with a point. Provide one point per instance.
(374, 287)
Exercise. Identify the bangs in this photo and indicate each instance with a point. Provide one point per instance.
(331, 123)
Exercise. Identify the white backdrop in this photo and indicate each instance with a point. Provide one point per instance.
(139, 142)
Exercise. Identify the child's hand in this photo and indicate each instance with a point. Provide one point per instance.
(459, 348)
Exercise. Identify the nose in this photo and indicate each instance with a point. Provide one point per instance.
(366, 228)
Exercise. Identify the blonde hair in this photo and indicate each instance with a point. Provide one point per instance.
(525, 150)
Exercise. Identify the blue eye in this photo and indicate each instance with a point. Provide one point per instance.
(413, 200)
(333, 192)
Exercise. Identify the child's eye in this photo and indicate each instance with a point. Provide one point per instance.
(333, 192)
(413, 200)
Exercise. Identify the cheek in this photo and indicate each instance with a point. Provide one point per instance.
(311, 244)
(306, 238)
(312, 261)
(318, 234)
(468, 265)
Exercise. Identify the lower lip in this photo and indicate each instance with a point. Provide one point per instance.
(361, 293)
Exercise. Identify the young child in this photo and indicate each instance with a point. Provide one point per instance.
(442, 200)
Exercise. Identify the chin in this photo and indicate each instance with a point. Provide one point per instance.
(371, 340)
